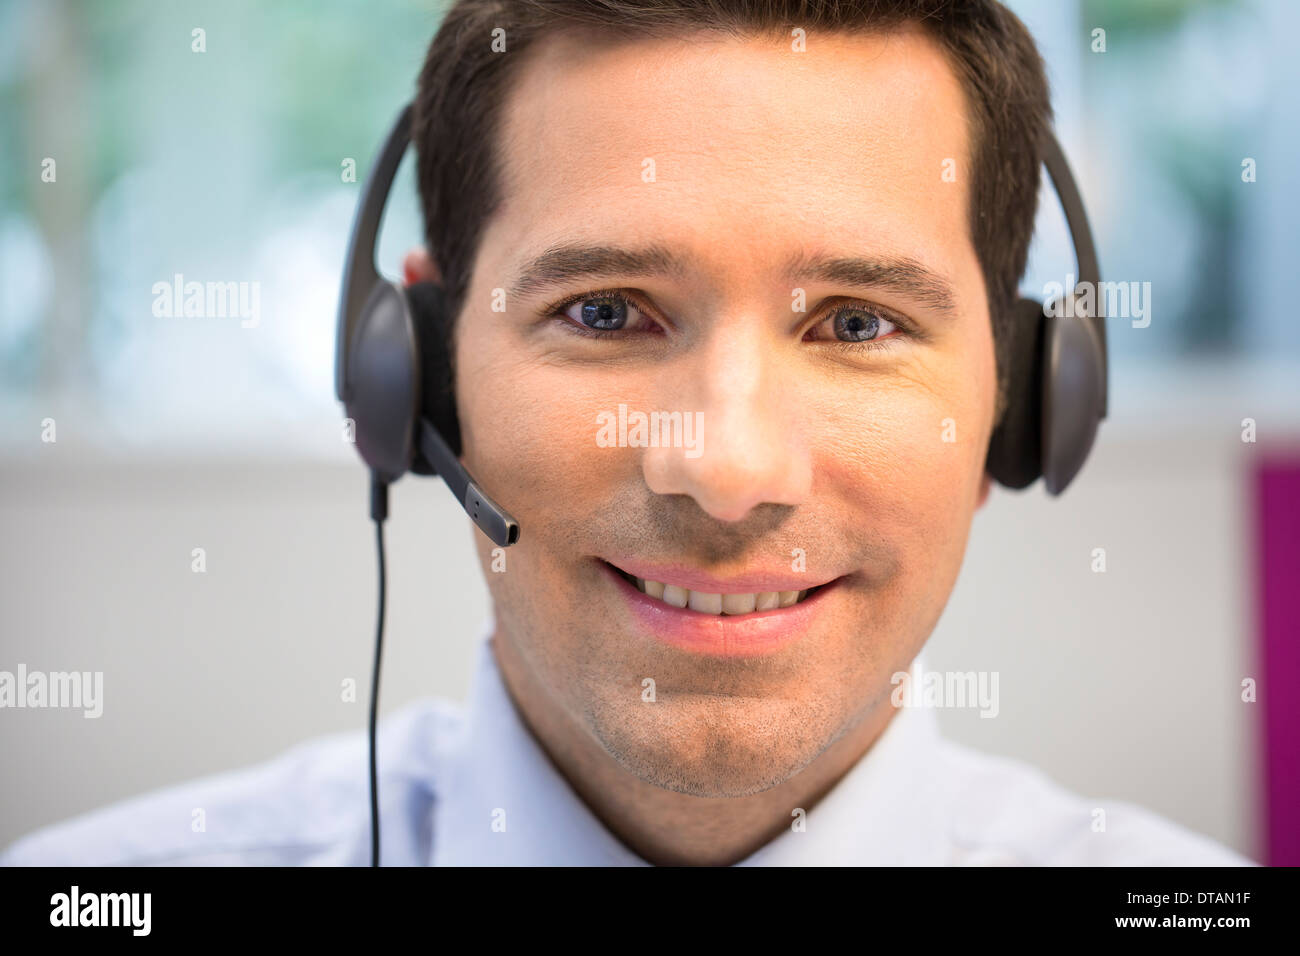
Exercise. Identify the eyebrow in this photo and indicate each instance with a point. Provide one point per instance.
(899, 274)
(564, 263)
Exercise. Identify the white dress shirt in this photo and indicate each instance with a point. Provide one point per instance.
(473, 787)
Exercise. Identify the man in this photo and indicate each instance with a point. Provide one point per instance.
(788, 234)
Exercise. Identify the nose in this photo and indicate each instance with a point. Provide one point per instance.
(750, 449)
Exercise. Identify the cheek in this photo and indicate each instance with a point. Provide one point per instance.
(531, 426)
(908, 455)
(526, 439)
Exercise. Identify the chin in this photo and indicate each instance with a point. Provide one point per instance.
(711, 747)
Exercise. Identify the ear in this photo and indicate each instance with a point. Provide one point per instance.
(985, 483)
(418, 266)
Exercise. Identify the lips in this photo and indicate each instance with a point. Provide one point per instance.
(715, 602)
(712, 618)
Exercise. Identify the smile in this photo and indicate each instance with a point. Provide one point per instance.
(744, 616)
(707, 602)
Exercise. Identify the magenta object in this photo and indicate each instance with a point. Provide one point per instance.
(1277, 523)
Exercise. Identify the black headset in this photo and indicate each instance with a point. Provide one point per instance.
(392, 343)
(392, 363)
(393, 375)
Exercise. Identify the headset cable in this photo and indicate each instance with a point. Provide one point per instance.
(378, 514)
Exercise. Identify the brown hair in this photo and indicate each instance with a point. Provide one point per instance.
(464, 83)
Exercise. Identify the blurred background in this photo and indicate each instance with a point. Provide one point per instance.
(128, 157)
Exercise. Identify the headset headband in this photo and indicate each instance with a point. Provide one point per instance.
(1085, 253)
(360, 271)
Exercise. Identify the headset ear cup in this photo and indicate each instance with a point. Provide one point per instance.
(1074, 395)
(432, 324)
(1015, 457)
(384, 393)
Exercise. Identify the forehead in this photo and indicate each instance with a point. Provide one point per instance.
(738, 152)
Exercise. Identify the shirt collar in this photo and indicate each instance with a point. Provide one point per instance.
(501, 802)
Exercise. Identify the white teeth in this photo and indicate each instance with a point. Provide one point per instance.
(737, 603)
(675, 596)
(708, 603)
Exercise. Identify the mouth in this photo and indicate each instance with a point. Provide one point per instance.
(710, 602)
(745, 616)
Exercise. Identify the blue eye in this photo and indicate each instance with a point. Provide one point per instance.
(606, 313)
(603, 313)
(857, 324)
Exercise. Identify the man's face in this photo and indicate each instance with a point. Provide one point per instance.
(843, 428)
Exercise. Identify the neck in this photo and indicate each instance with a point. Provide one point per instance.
(661, 826)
